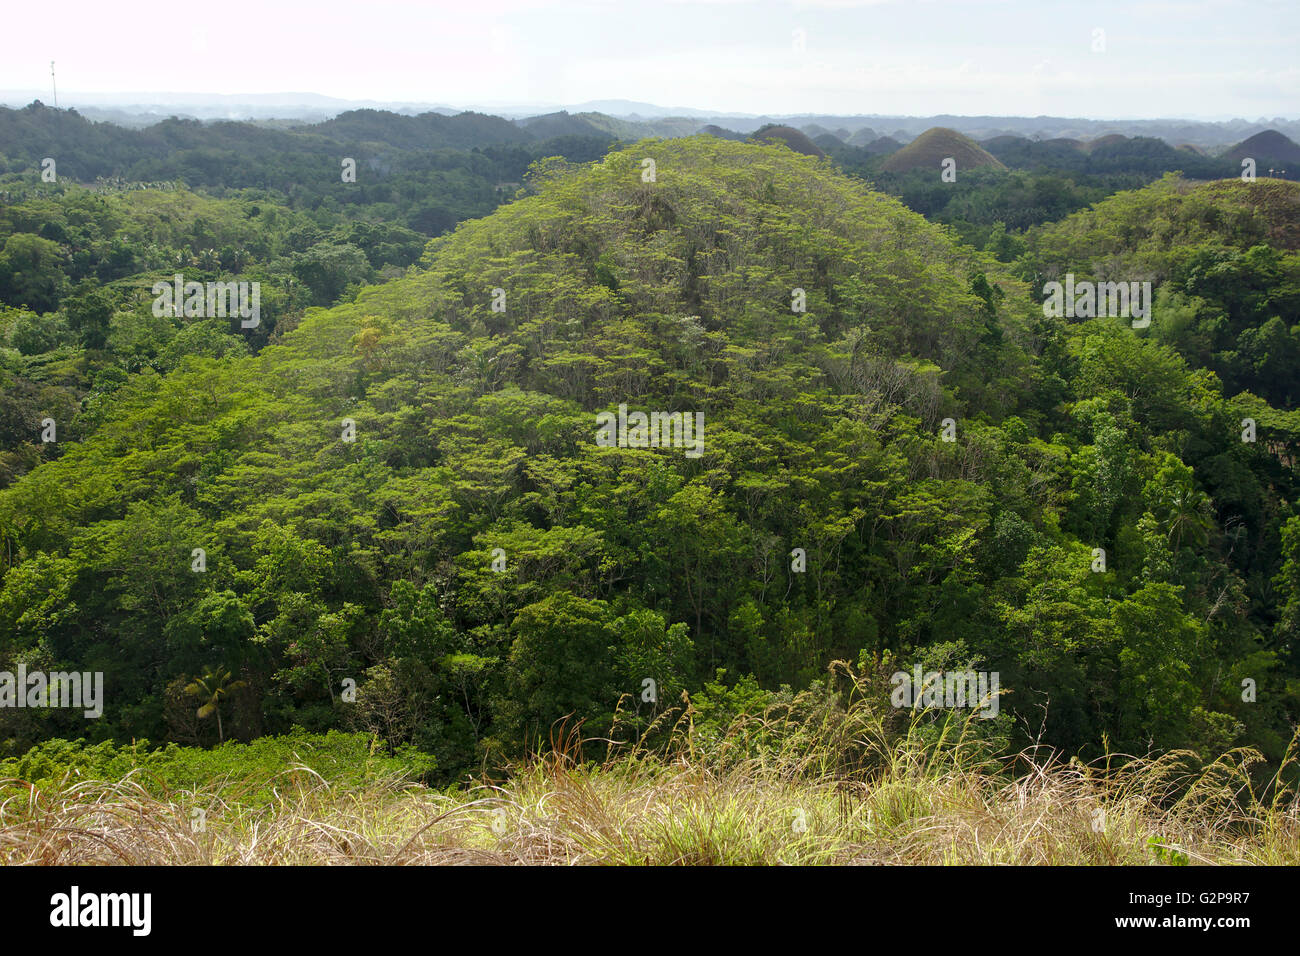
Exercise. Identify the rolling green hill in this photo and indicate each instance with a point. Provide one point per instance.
(1222, 257)
(409, 490)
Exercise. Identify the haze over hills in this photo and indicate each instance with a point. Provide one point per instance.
(144, 109)
(100, 148)
(429, 170)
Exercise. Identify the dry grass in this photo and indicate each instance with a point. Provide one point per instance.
(858, 796)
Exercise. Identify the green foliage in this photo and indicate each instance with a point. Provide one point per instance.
(259, 766)
(1169, 856)
(473, 572)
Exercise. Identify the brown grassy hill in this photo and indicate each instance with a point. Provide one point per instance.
(930, 149)
(1276, 201)
(796, 140)
(1269, 145)
(1104, 140)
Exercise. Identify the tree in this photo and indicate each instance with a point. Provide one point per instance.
(90, 312)
(34, 334)
(329, 268)
(561, 666)
(31, 272)
(211, 688)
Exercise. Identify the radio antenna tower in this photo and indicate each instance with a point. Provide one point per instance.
(54, 85)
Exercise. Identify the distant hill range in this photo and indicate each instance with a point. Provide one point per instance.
(1114, 153)
(647, 119)
(428, 130)
(88, 150)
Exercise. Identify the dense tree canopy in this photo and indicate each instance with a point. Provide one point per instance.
(406, 490)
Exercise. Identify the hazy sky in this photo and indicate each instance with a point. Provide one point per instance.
(1206, 59)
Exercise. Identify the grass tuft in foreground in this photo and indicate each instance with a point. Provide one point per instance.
(811, 782)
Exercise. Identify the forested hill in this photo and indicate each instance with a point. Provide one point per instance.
(238, 154)
(1222, 256)
(425, 172)
(410, 490)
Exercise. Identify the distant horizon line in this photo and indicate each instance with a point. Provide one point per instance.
(162, 100)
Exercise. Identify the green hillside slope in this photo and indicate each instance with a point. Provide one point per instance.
(409, 491)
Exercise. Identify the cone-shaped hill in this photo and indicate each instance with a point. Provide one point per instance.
(935, 145)
(883, 145)
(675, 294)
(863, 136)
(791, 137)
(441, 489)
(669, 294)
(1267, 146)
(828, 142)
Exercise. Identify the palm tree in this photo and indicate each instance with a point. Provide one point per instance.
(1190, 517)
(210, 688)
